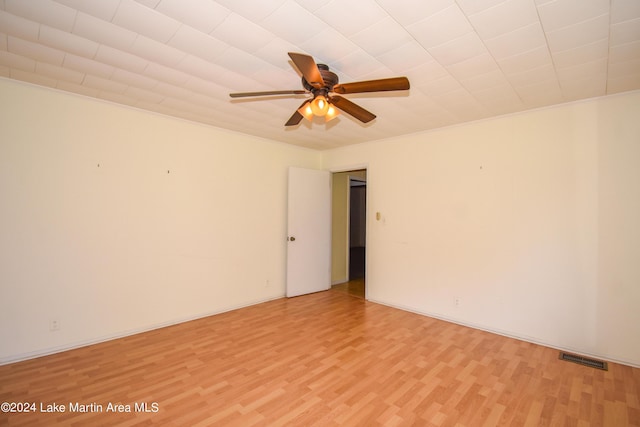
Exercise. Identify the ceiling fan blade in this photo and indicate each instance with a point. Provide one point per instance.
(272, 92)
(353, 109)
(295, 119)
(381, 85)
(308, 68)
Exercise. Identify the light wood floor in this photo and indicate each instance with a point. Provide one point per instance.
(353, 287)
(325, 359)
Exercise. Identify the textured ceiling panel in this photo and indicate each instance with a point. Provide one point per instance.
(504, 18)
(466, 59)
(44, 12)
(201, 15)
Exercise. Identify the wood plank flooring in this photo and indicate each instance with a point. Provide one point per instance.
(326, 359)
(353, 287)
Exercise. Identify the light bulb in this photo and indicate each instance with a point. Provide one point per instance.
(319, 105)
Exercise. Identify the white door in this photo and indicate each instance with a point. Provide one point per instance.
(309, 232)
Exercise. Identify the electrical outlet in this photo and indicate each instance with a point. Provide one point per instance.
(267, 284)
(54, 325)
(456, 301)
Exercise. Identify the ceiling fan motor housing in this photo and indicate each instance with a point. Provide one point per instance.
(330, 80)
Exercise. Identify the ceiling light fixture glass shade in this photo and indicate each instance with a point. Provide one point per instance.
(328, 111)
(320, 105)
(332, 113)
(306, 111)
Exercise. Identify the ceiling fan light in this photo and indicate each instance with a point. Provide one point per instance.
(306, 111)
(332, 113)
(320, 105)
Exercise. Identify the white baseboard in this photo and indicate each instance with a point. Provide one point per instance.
(59, 349)
(53, 350)
(510, 334)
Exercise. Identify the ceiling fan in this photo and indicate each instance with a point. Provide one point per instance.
(323, 85)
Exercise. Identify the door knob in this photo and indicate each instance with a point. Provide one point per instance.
(292, 239)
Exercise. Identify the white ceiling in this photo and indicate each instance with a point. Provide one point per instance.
(465, 59)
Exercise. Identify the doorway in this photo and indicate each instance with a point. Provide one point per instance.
(357, 227)
(348, 249)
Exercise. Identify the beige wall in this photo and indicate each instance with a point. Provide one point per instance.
(530, 221)
(177, 221)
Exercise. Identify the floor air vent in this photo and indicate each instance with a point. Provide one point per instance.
(599, 364)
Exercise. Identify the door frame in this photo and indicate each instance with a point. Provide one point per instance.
(349, 168)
